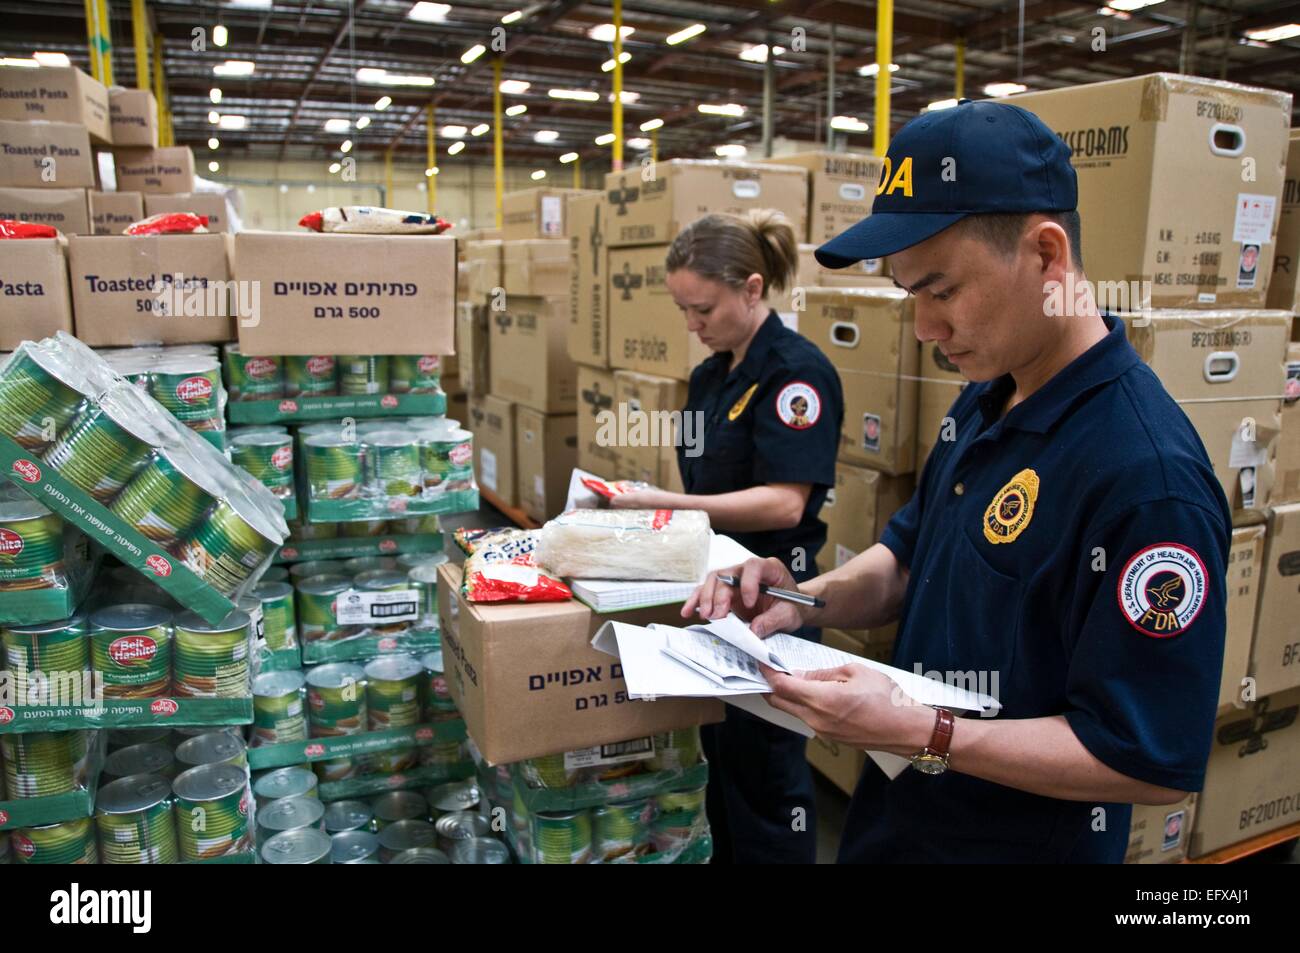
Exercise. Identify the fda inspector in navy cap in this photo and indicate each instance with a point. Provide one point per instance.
(1064, 551)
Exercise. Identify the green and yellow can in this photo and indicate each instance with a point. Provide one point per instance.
(414, 373)
(97, 454)
(212, 808)
(269, 458)
(36, 403)
(215, 747)
(549, 771)
(300, 530)
(131, 648)
(561, 837)
(135, 821)
(424, 580)
(31, 546)
(317, 567)
(437, 694)
(317, 608)
(621, 830)
(335, 467)
(447, 456)
(144, 758)
(279, 714)
(336, 700)
(363, 564)
(45, 763)
(294, 781)
(279, 621)
(363, 529)
(315, 375)
(68, 842)
(253, 378)
(190, 389)
(162, 502)
(211, 660)
(361, 374)
(676, 750)
(54, 649)
(225, 548)
(393, 691)
(394, 463)
(276, 574)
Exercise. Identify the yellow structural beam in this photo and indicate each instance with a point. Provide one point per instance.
(884, 56)
(140, 36)
(498, 140)
(577, 173)
(388, 179)
(959, 83)
(165, 137)
(106, 43)
(618, 86)
(654, 145)
(431, 156)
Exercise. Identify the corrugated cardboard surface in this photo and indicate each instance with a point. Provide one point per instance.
(1245, 563)
(536, 213)
(595, 394)
(115, 281)
(536, 267)
(169, 169)
(472, 337)
(200, 203)
(64, 209)
(546, 451)
(45, 155)
(492, 421)
(941, 383)
(1158, 204)
(112, 212)
(856, 511)
(1159, 833)
(649, 399)
(869, 336)
(651, 204)
(1286, 487)
(1283, 288)
(56, 94)
(483, 260)
(528, 682)
(349, 294)
(530, 363)
(134, 117)
(841, 187)
(589, 292)
(34, 288)
(1275, 655)
(647, 331)
(1252, 782)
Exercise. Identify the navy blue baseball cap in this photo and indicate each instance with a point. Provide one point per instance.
(975, 157)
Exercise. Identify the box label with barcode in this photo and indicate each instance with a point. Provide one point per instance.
(369, 608)
(638, 749)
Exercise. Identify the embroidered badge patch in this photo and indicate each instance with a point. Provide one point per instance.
(1162, 589)
(799, 405)
(1012, 508)
(739, 406)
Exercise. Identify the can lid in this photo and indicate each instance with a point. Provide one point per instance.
(455, 796)
(136, 413)
(394, 668)
(48, 628)
(268, 591)
(480, 850)
(306, 846)
(209, 782)
(329, 440)
(184, 462)
(291, 813)
(341, 816)
(391, 438)
(360, 564)
(278, 684)
(409, 561)
(404, 835)
(187, 363)
(213, 748)
(421, 855)
(425, 573)
(326, 584)
(130, 617)
(193, 622)
(284, 782)
(316, 567)
(19, 507)
(335, 675)
(136, 792)
(462, 825)
(432, 660)
(376, 580)
(261, 438)
(400, 806)
(349, 847)
(143, 758)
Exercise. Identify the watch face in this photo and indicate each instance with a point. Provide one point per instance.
(929, 764)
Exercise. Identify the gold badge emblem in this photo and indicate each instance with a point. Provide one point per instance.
(739, 406)
(1012, 508)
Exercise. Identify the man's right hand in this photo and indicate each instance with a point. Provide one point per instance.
(765, 614)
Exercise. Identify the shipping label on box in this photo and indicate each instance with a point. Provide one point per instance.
(64, 209)
(589, 287)
(1245, 563)
(596, 454)
(856, 511)
(169, 169)
(492, 421)
(546, 451)
(536, 268)
(112, 212)
(34, 289)
(536, 213)
(210, 204)
(1283, 287)
(869, 336)
(134, 117)
(530, 362)
(45, 155)
(1275, 654)
(56, 94)
(647, 331)
(1159, 833)
(153, 289)
(348, 294)
(652, 204)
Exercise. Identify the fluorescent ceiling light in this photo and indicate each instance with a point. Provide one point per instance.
(431, 171)
(214, 117)
(569, 157)
(1108, 12)
(758, 53)
(640, 142)
(334, 167)
(283, 188)
(871, 69)
(337, 125)
(346, 147)
(513, 16)
(479, 129)
(539, 174)
(725, 109)
(383, 102)
(429, 12)
(311, 187)
(605, 32)
(626, 96)
(1131, 4)
(545, 135)
(942, 104)
(1273, 34)
(516, 110)
(732, 150)
(681, 36)
(363, 122)
(848, 124)
(381, 77)
(250, 4)
(52, 59)
(473, 53)
(214, 94)
(454, 132)
(456, 148)
(581, 95)
(1004, 89)
(220, 35)
(235, 68)
(605, 140)
(233, 122)
(652, 124)
(19, 61)
(214, 166)
(214, 143)
(514, 87)
(608, 65)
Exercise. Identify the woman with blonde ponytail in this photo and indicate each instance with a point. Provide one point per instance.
(769, 406)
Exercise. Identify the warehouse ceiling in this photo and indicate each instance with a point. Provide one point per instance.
(316, 61)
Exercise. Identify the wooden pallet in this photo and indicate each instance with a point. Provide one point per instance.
(1227, 855)
(512, 513)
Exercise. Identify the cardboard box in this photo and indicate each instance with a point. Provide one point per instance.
(528, 683)
(1283, 287)
(1245, 565)
(211, 204)
(349, 294)
(868, 273)
(648, 400)
(56, 94)
(589, 280)
(483, 260)
(125, 289)
(536, 213)
(452, 386)
(65, 209)
(856, 511)
(1159, 833)
(1161, 188)
(492, 421)
(45, 155)
(112, 212)
(166, 170)
(458, 408)
(537, 267)
(1252, 782)
(647, 331)
(649, 205)
(472, 324)
(133, 114)
(1225, 369)
(1275, 655)
(941, 383)
(841, 188)
(530, 363)
(868, 334)
(546, 451)
(595, 394)
(1286, 485)
(34, 288)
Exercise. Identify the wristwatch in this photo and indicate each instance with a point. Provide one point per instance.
(933, 758)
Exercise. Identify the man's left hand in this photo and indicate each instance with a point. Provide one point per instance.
(652, 499)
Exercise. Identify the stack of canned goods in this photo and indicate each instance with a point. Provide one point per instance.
(336, 707)
(319, 584)
(674, 751)
(186, 380)
(321, 375)
(37, 549)
(46, 763)
(267, 455)
(387, 459)
(300, 530)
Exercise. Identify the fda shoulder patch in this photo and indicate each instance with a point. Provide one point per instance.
(1162, 589)
(799, 405)
(1012, 508)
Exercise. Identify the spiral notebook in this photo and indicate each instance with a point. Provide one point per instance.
(620, 595)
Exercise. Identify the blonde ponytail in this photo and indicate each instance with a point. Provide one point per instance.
(729, 248)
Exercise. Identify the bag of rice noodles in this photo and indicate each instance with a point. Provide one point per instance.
(502, 567)
(662, 545)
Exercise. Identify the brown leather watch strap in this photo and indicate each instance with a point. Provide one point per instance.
(941, 739)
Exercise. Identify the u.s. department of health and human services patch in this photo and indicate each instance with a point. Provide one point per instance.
(1012, 508)
(799, 405)
(1162, 589)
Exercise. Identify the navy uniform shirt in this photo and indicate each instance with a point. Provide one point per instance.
(1076, 548)
(774, 419)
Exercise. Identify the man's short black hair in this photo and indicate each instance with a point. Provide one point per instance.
(1002, 230)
